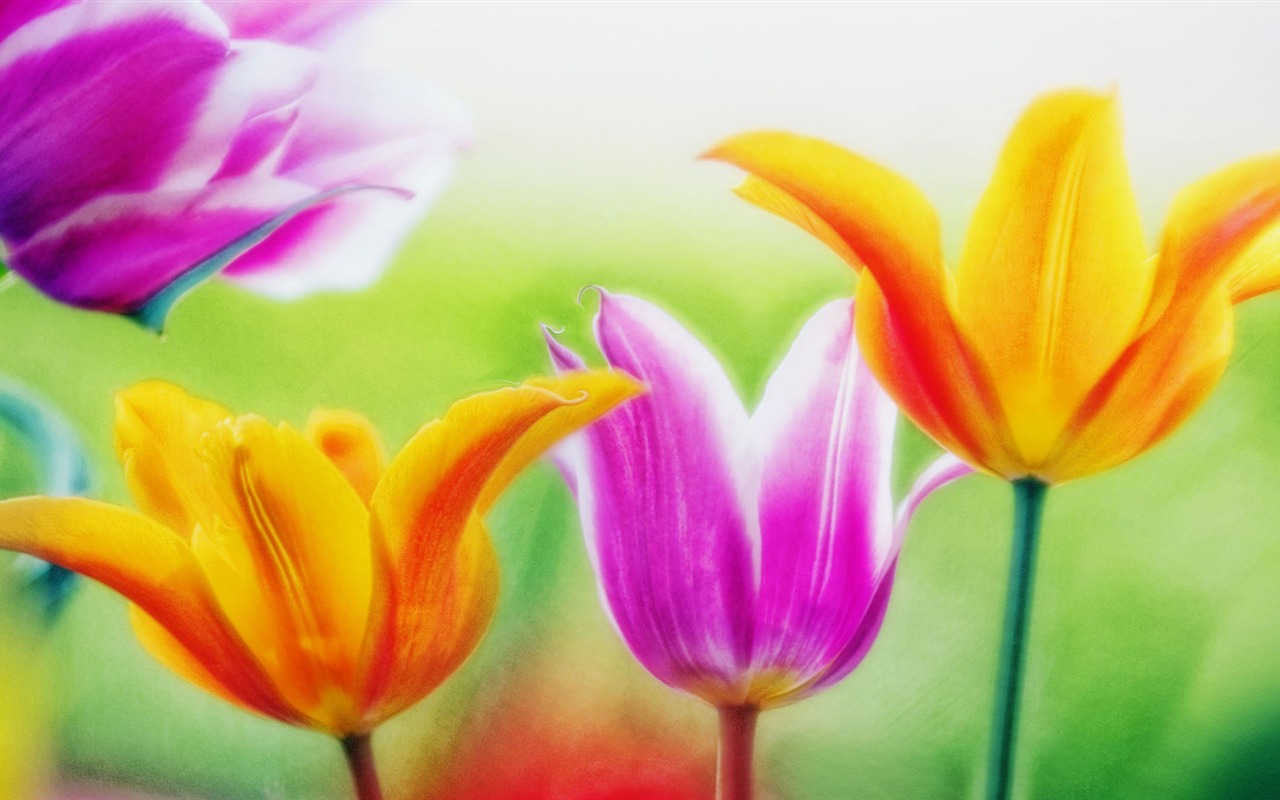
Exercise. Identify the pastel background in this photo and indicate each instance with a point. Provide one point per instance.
(1155, 654)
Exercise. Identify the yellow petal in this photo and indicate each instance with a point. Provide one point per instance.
(761, 193)
(1154, 386)
(451, 470)
(157, 431)
(151, 566)
(351, 442)
(882, 218)
(1052, 283)
(592, 395)
(1257, 270)
(292, 567)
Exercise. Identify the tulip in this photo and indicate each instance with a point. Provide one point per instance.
(746, 560)
(149, 145)
(300, 576)
(1058, 348)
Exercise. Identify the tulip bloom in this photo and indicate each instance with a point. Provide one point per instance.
(148, 144)
(299, 576)
(746, 560)
(1058, 348)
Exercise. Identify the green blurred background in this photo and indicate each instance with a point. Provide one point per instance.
(1155, 652)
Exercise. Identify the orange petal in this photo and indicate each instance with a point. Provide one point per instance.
(152, 566)
(157, 432)
(453, 468)
(438, 621)
(1220, 231)
(351, 442)
(1052, 283)
(936, 382)
(170, 652)
(761, 193)
(292, 567)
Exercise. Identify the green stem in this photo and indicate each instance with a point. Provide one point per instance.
(359, 755)
(737, 749)
(1028, 508)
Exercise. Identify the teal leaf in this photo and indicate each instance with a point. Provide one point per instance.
(62, 469)
(154, 312)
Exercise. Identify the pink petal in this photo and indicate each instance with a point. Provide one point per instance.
(662, 501)
(96, 98)
(290, 22)
(117, 252)
(825, 428)
(356, 128)
(938, 474)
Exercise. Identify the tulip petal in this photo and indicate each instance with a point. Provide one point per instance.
(293, 571)
(436, 484)
(309, 24)
(158, 430)
(856, 646)
(1257, 270)
(247, 117)
(826, 513)
(351, 442)
(439, 620)
(906, 328)
(761, 193)
(674, 460)
(151, 566)
(1211, 235)
(98, 97)
(1052, 284)
(1152, 388)
(883, 219)
(122, 252)
(944, 470)
(599, 392)
(1219, 246)
(936, 380)
(174, 655)
(356, 127)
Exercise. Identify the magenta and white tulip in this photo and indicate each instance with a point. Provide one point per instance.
(149, 144)
(745, 559)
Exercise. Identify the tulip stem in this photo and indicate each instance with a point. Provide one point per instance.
(1028, 509)
(360, 760)
(737, 749)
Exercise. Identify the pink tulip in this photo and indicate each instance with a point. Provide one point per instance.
(148, 145)
(746, 559)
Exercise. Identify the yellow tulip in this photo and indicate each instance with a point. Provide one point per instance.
(303, 577)
(1058, 347)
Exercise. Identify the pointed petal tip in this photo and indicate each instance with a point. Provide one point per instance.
(592, 287)
(725, 149)
(563, 359)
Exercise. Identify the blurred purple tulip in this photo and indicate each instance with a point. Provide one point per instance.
(148, 144)
(746, 560)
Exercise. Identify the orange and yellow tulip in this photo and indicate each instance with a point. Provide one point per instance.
(1058, 347)
(298, 575)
